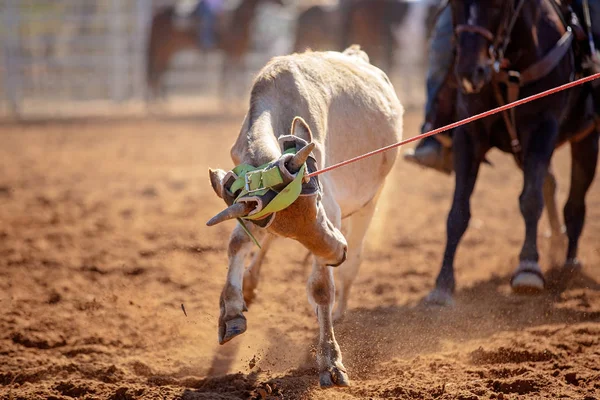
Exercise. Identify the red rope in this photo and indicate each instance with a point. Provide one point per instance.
(459, 123)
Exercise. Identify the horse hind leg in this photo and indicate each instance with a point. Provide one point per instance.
(557, 230)
(584, 159)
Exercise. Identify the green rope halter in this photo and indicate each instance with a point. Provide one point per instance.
(258, 181)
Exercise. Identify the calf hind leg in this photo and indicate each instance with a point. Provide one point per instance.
(321, 293)
(356, 228)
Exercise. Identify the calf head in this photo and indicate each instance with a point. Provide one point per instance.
(305, 219)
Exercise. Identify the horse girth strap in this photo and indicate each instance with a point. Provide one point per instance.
(514, 80)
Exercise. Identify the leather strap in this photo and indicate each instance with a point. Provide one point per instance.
(475, 29)
(515, 80)
(543, 67)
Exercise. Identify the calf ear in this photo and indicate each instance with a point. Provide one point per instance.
(300, 129)
(216, 180)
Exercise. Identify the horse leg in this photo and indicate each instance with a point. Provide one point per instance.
(224, 82)
(466, 165)
(321, 295)
(557, 236)
(584, 159)
(240, 85)
(160, 66)
(231, 319)
(528, 277)
(253, 272)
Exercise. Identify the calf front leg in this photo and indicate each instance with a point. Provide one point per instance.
(252, 274)
(231, 320)
(528, 277)
(321, 294)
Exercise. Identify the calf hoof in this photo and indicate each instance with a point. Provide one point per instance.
(528, 278)
(231, 328)
(339, 313)
(439, 297)
(334, 376)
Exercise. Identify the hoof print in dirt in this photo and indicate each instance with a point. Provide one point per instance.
(232, 328)
(439, 297)
(333, 377)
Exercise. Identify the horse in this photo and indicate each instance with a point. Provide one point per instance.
(167, 38)
(319, 28)
(370, 23)
(507, 50)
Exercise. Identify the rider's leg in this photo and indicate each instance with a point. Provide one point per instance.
(430, 152)
(206, 29)
(209, 28)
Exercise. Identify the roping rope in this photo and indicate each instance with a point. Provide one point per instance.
(459, 123)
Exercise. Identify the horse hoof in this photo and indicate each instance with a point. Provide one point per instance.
(558, 249)
(528, 279)
(572, 267)
(232, 328)
(559, 278)
(439, 297)
(332, 377)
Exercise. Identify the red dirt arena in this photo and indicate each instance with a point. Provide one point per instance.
(103, 243)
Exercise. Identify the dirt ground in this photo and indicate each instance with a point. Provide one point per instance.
(103, 239)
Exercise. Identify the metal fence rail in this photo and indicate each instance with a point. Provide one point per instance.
(64, 56)
(72, 50)
(78, 51)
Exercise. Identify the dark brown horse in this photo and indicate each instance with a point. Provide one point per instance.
(319, 28)
(369, 23)
(509, 49)
(233, 38)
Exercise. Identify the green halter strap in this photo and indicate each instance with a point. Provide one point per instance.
(259, 181)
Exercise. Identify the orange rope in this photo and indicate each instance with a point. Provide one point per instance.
(459, 123)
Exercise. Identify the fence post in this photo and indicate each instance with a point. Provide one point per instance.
(11, 51)
(119, 56)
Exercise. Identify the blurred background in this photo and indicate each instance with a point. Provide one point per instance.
(87, 57)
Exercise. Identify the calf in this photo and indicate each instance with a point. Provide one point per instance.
(338, 106)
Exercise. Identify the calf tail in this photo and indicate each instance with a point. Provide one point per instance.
(355, 51)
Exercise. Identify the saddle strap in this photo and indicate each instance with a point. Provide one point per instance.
(543, 67)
